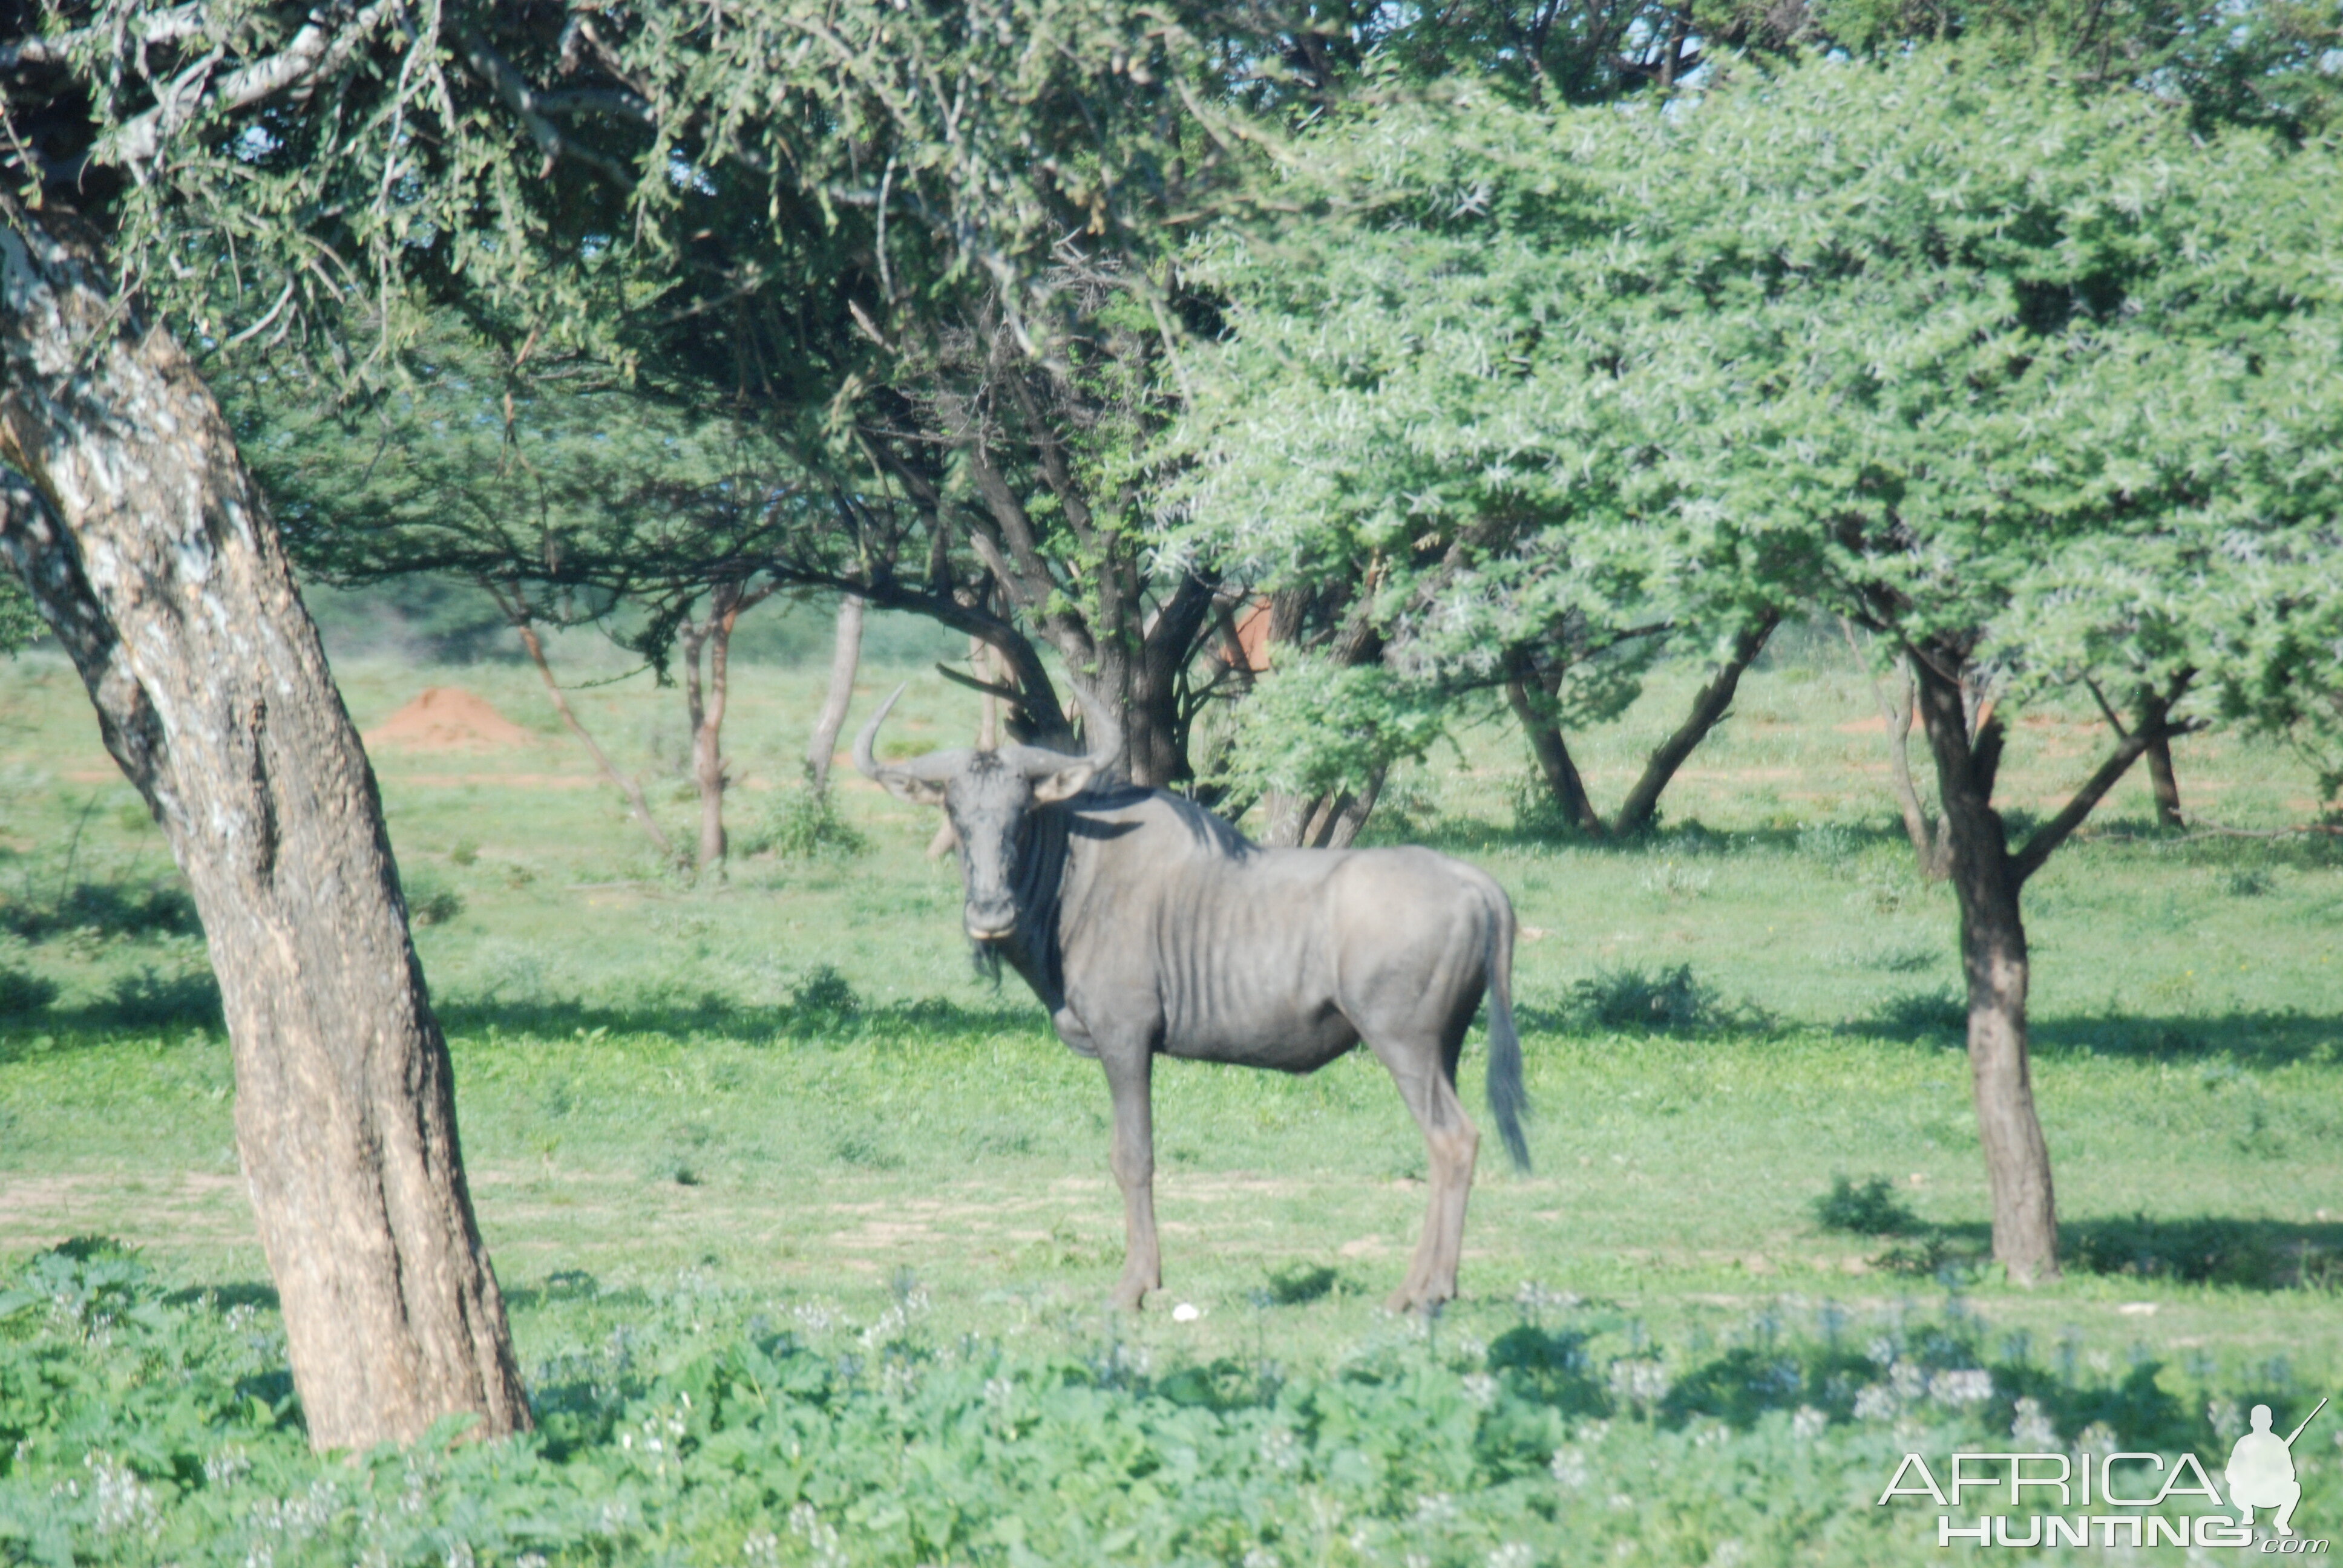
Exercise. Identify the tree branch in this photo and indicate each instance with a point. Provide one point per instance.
(330, 30)
(155, 27)
(2154, 725)
(514, 91)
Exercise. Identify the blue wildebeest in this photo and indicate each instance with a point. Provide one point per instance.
(1148, 926)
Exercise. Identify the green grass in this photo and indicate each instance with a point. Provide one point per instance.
(788, 1101)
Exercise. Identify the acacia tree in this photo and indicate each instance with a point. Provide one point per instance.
(1989, 355)
(2040, 386)
(933, 248)
(1404, 384)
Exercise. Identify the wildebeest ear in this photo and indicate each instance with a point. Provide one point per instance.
(1063, 785)
(911, 788)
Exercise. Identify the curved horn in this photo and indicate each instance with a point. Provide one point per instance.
(865, 762)
(934, 765)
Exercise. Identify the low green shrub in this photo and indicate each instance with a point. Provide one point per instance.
(140, 1424)
(1664, 1002)
(1864, 1208)
(112, 909)
(22, 992)
(803, 823)
(148, 998)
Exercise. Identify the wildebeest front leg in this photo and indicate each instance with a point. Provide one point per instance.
(1129, 1077)
(1451, 1144)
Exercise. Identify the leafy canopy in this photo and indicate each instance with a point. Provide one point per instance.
(2038, 377)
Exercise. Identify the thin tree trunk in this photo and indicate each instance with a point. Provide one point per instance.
(1154, 722)
(845, 659)
(2167, 786)
(517, 614)
(1987, 883)
(1930, 852)
(153, 556)
(705, 705)
(1708, 709)
(1534, 709)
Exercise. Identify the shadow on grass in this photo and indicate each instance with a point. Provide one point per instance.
(2257, 1038)
(2198, 1249)
(162, 906)
(927, 1019)
(140, 1005)
(1688, 839)
(145, 1004)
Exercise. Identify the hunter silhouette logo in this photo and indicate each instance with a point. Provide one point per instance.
(2082, 1493)
(2261, 1471)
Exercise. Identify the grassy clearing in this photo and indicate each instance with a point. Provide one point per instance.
(706, 1125)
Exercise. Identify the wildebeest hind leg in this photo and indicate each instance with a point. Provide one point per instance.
(1451, 1145)
(1128, 1076)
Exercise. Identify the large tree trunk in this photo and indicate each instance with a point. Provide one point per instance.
(1987, 881)
(154, 557)
(1709, 706)
(845, 659)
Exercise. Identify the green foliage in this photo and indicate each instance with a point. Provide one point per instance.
(22, 992)
(1960, 352)
(1311, 726)
(1666, 1002)
(147, 998)
(20, 623)
(1301, 1283)
(802, 823)
(429, 904)
(682, 1421)
(1867, 1209)
(825, 993)
(552, 484)
(114, 908)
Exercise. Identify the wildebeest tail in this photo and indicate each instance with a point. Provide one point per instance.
(1508, 1100)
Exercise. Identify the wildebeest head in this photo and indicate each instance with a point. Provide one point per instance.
(988, 795)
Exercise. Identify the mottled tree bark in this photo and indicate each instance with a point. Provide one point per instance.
(154, 557)
(1988, 877)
